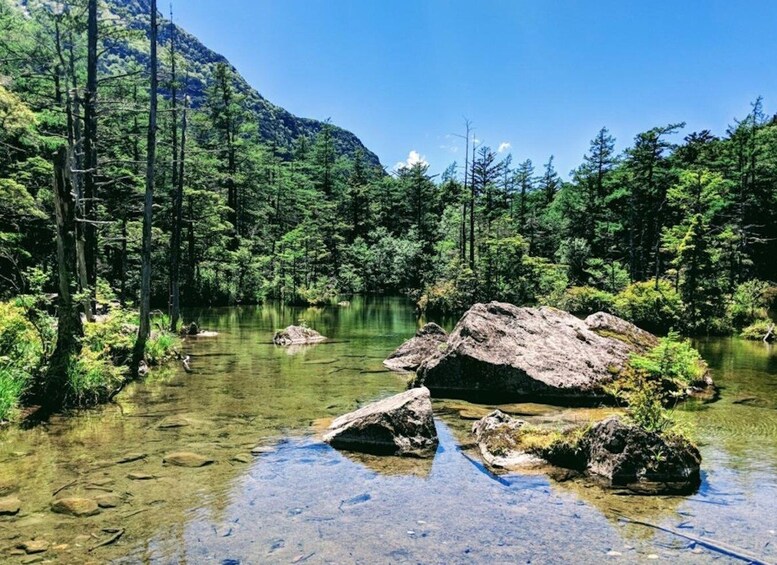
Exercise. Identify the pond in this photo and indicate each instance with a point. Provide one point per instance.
(296, 500)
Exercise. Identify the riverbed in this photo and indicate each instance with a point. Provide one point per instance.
(276, 494)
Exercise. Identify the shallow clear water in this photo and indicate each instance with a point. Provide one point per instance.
(301, 501)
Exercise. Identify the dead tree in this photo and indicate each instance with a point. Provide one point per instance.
(69, 328)
(145, 270)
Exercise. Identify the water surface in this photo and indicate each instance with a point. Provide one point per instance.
(298, 501)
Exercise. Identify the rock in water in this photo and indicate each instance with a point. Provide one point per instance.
(495, 435)
(429, 340)
(10, 506)
(297, 335)
(501, 351)
(628, 456)
(75, 506)
(402, 424)
(186, 459)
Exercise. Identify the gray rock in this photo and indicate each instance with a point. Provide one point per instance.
(612, 452)
(503, 351)
(402, 424)
(428, 341)
(297, 335)
(624, 455)
(614, 327)
(495, 437)
(75, 506)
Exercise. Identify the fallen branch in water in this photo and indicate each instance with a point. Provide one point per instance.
(113, 539)
(63, 487)
(719, 547)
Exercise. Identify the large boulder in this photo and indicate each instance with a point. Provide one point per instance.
(402, 424)
(501, 351)
(627, 456)
(297, 335)
(427, 341)
(607, 325)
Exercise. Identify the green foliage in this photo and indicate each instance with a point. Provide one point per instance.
(655, 308)
(749, 304)
(657, 378)
(674, 359)
(758, 330)
(21, 353)
(91, 378)
(585, 300)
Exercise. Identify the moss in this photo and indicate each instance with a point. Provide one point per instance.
(561, 447)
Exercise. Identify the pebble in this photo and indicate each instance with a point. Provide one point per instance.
(614, 553)
(10, 506)
(652, 556)
(32, 559)
(130, 457)
(259, 449)
(140, 477)
(242, 458)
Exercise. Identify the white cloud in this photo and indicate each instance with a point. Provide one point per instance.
(504, 146)
(413, 158)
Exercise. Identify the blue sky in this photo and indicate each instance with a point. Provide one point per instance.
(541, 76)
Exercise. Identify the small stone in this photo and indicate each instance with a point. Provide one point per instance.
(614, 553)
(75, 506)
(34, 546)
(241, 458)
(186, 459)
(10, 506)
(140, 477)
(652, 556)
(260, 449)
(173, 423)
(109, 500)
(102, 482)
(697, 551)
(32, 559)
(130, 457)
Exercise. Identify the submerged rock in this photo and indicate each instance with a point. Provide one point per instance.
(297, 335)
(427, 341)
(34, 546)
(402, 424)
(75, 506)
(108, 500)
(186, 459)
(501, 350)
(614, 453)
(10, 506)
(625, 455)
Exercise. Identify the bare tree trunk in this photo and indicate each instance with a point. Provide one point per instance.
(175, 243)
(69, 327)
(90, 153)
(145, 270)
(472, 212)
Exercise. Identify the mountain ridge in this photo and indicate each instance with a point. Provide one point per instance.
(276, 124)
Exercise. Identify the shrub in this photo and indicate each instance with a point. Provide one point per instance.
(449, 295)
(21, 355)
(757, 330)
(585, 300)
(655, 379)
(91, 378)
(749, 303)
(656, 309)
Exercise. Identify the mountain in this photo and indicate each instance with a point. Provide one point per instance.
(275, 123)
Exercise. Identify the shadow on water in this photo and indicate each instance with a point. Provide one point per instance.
(276, 494)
